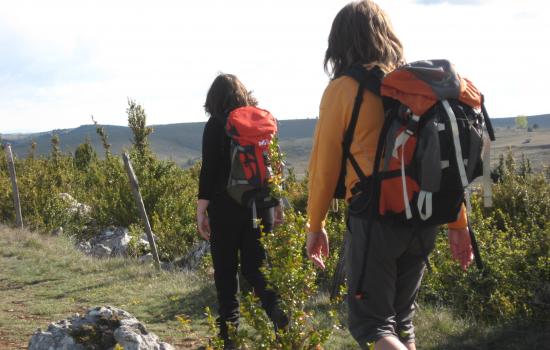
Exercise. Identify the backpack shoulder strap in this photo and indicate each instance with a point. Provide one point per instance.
(370, 80)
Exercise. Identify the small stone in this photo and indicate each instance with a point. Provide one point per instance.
(146, 259)
(84, 247)
(192, 260)
(58, 231)
(101, 251)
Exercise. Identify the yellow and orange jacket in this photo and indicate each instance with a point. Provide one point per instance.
(326, 156)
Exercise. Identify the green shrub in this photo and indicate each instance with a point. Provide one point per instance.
(513, 235)
(293, 277)
(168, 191)
(84, 155)
(514, 240)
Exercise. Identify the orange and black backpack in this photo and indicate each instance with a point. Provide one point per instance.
(432, 145)
(251, 131)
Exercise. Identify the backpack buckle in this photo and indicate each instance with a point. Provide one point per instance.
(412, 125)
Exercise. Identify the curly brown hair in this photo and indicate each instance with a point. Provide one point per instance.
(362, 33)
(225, 94)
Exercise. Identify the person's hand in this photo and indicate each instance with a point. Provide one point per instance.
(317, 247)
(461, 246)
(203, 225)
(279, 216)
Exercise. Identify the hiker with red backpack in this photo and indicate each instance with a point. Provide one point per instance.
(234, 197)
(400, 142)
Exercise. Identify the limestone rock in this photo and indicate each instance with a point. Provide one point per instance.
(101, 328)
(84, 247)
(101, 251)
(194, 256)
(74, 206)
(146, 259)
(114, 238)
(58, 231)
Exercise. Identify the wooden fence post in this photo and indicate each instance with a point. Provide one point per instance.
(15, 189)
(141, 207)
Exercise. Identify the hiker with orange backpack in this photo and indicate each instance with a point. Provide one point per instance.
(380, 143)
(233, 197)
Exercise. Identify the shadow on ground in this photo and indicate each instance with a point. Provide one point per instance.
(192, 304)
(507, 337)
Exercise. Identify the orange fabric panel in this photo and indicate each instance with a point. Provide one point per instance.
(391, 197)
(461, 221)
(404, 86)
(469, 94)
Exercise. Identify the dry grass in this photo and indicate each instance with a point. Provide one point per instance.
(534, 145)
(43, 279)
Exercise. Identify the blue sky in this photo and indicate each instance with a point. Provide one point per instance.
(64, 60)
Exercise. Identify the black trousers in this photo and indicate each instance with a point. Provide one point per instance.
(233, 236)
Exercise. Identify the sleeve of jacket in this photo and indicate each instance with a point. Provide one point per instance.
(326, 157)
(211, 140)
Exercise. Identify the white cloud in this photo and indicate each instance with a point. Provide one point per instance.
(452, 2)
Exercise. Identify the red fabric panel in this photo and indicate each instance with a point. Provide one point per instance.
(261, 162)
(391, 197)
(251, 125)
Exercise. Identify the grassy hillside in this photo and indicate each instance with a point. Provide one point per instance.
(542, 120)
(44, 279)
(534, 145)
(179, 142)
(182, 142)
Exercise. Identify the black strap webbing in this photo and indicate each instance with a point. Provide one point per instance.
(488, 123)
(367, 79)
(475, 248)
(373, 209)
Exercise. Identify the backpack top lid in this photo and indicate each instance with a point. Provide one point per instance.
(419, 85)
(251, 125)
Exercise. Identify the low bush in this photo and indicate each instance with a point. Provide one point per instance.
(514, 240)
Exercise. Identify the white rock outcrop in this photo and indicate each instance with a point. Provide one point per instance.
(100, 328)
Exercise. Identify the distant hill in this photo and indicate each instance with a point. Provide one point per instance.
(182, 142)
(542, 120)
(179, 142)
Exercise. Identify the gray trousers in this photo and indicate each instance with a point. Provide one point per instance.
(394, 265)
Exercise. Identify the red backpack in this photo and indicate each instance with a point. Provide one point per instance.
(251, 130)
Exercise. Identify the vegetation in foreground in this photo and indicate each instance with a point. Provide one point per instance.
(509, 300)
(43, 279)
